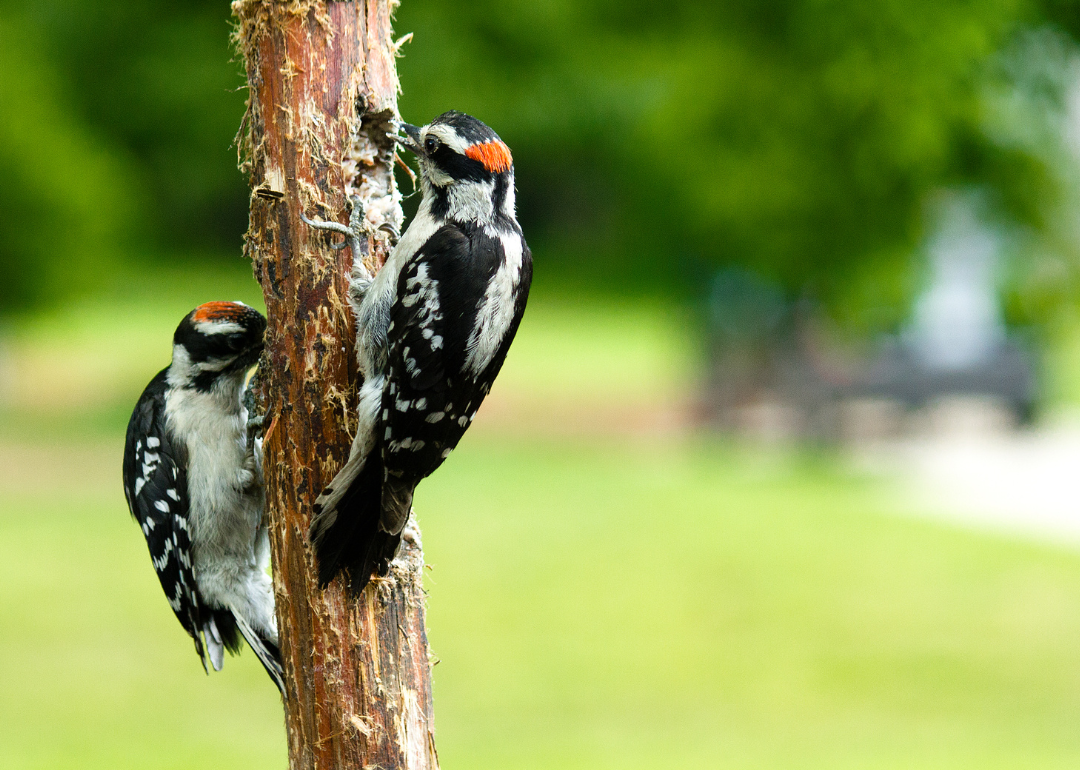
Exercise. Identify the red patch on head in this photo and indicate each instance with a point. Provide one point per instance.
(494, 155)
(220, 311)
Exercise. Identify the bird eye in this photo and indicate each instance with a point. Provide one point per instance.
(431, 144)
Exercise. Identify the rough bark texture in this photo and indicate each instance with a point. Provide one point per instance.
(322, 86)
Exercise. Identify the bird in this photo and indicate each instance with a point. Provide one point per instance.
(192, 482)
(433, 328)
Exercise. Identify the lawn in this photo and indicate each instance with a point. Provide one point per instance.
(633, 601)
(683, 606)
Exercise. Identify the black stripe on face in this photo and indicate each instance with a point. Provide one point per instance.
(440, 204)
(246, 342)
(204, 381)
(459, 167)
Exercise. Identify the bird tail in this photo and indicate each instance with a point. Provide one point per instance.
(346, 529)
(218, 629)
(329, 501)
(268, 653)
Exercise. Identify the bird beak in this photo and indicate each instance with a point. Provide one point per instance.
(411, 140)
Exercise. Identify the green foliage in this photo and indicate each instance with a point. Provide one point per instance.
(798, 138)
(160, 80)
(1030, 107)
(116, 126)
(65, 198)
(592, 606)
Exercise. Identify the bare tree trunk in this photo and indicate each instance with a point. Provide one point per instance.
(322, 86)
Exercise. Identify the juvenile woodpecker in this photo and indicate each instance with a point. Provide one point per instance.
(191, 481)
(433, 329)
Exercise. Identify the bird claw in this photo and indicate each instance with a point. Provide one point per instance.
(353, 231)
(356, 214)
(255, 418)
(254, 429)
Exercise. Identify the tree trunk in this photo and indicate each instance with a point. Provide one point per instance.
(322, 86)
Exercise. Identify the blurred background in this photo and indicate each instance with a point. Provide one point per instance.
(782, 470)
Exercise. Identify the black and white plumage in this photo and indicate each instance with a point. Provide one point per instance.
(193, 484)
(433, 328)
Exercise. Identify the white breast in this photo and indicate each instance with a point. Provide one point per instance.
(225, 508)
(497, 308)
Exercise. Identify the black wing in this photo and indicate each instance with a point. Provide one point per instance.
(155, 483)
(429, 397)
(432, 394)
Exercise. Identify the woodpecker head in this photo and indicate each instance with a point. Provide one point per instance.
(214, 341)
(464, 164)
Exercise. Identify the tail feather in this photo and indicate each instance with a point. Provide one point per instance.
(396, 504)
(215, 647)
(268, 653)
(348, 535)
(219, 632)
(330, 500)
(375, 559)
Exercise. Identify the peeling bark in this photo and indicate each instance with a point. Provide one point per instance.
(323, 85)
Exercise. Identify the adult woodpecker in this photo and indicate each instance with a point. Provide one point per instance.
(192, 483)
(433, 328)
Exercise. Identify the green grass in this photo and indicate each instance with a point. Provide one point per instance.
(82, 365)
(602, 605)
(96, 671)
(599, 351)
(587, 352)
(598, 603)
(605, 606)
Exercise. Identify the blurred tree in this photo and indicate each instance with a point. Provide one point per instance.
(1031, 101)
(798, 138)
(65, 199)
(161, 80)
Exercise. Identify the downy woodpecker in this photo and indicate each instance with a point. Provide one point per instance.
(433, 329)
(191, 482)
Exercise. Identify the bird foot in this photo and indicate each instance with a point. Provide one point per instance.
(353, 231)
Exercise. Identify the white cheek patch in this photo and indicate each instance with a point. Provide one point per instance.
(215, 364)
(182, 368)
(434, 174)
(449, 137)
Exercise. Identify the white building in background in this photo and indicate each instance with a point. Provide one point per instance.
(957, 321)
